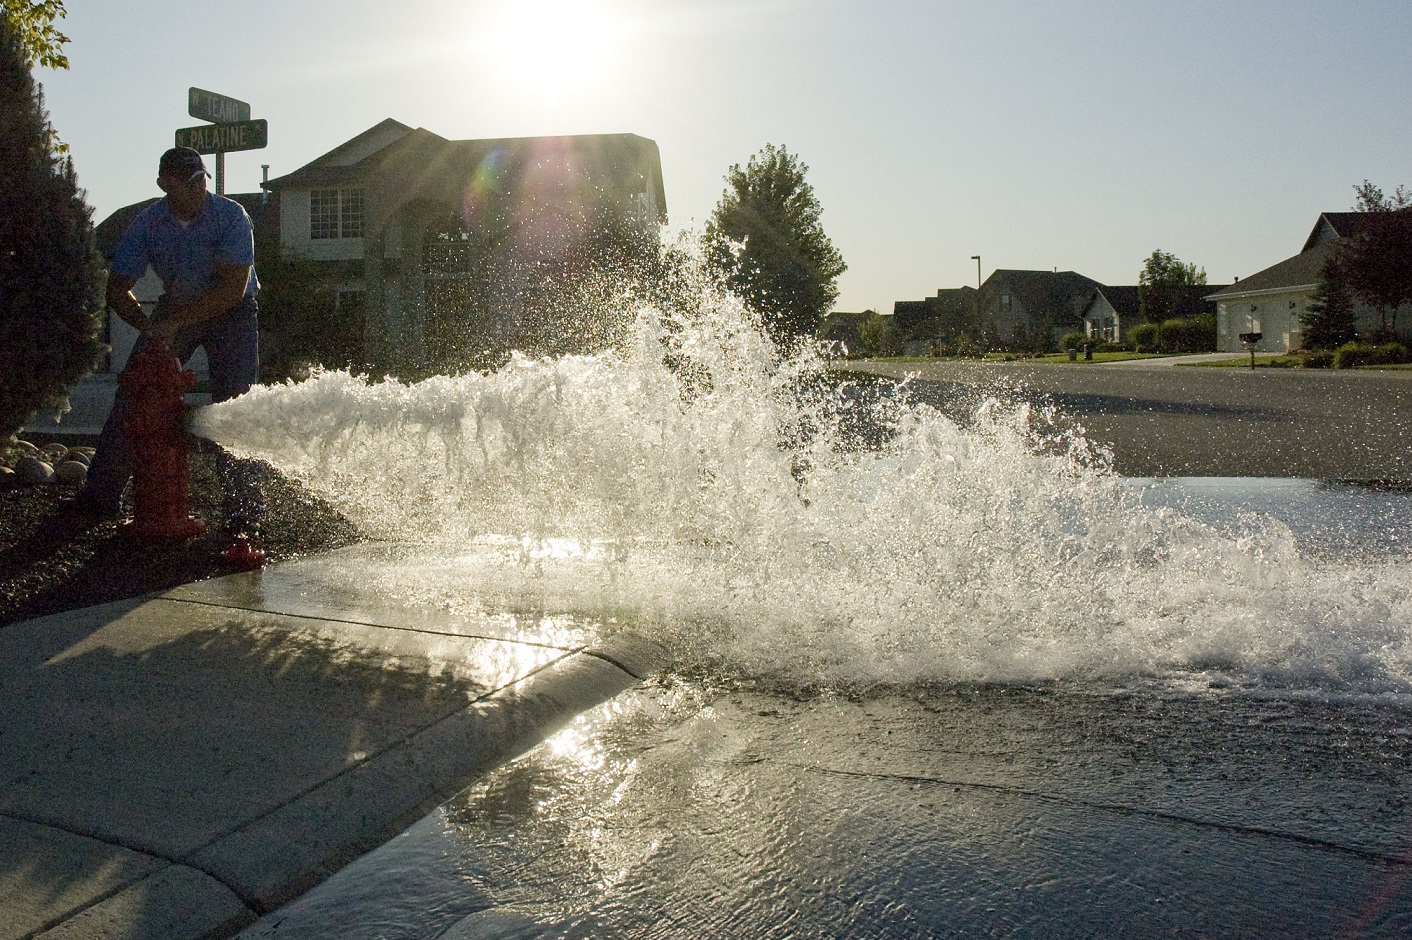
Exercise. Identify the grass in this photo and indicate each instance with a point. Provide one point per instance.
(1243, 362)
(1063, 357)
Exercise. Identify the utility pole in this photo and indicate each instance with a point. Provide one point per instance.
(977, 260)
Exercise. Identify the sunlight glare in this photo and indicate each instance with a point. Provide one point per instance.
(552, 46)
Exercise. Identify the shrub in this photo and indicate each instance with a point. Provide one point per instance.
(1074, 340)
(1188, 335)
(966, 347)
(1146, 338)
(1353, 355)
(1319, 359)
(880, 336)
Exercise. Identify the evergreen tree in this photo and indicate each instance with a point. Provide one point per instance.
(50, 273)
(765, 237)
(1329, 322)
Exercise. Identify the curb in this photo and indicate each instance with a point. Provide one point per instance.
(217, 889)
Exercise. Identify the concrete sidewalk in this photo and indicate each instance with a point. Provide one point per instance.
(176, 766)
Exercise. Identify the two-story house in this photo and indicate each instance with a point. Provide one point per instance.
(1032, 309)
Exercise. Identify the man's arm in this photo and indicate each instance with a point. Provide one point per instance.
(227, 290)
(120, 299)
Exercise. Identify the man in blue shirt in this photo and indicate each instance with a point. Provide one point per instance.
(202, 247)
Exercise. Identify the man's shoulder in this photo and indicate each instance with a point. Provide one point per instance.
(225, 207)
(155, 209)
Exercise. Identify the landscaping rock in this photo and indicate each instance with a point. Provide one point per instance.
(11, 451)
(72, 472)
(33, 470)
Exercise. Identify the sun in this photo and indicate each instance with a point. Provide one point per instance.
(552, 46)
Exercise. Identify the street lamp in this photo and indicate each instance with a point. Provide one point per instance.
(977, 260)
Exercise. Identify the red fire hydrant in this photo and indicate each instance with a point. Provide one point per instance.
(154, 382)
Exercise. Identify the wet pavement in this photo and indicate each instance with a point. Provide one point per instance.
(1166, 421)
(177, 765)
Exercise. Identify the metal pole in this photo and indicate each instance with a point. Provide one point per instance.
(977, 260)
(220, 173)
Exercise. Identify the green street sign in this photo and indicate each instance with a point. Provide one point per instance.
(225, 138)
(209, 106)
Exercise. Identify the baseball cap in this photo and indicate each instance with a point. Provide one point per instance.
(182, 163)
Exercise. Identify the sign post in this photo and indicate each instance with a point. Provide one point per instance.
(230, 129)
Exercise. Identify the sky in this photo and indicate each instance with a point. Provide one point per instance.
(1070, 134)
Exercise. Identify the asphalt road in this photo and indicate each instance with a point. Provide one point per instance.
(1167, 420)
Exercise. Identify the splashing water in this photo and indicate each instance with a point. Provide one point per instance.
(692, 488)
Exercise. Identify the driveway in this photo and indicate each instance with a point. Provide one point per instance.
(1167, 362)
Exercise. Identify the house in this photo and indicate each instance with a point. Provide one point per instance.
(1113, 311)
(843, 329)
(1110, 313)
(1032, 309)
(935, 321)
(1272, 302)
(424, 251)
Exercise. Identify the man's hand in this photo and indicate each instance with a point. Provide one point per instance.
(161, 329)
(120, 299)
(227, 290)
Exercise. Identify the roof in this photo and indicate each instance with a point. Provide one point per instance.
(842, 327)
(951, 304)
(1124, 300)
(1303, 270)
(1331, 226)
(1063, 291)
(422, 164)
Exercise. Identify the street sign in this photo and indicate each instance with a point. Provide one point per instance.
(209, 106)
(225, 138)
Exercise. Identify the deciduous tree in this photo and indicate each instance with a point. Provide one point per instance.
(33, 22)
(1162, 282)
(766, 239)
(1376, 264)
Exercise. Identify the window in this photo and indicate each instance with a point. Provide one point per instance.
(336, 213)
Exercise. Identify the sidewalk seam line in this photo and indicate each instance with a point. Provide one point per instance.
(117, 842)
(460, 709)
(368, 623)
(1125, 810)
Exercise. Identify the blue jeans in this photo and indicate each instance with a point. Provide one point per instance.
(232, 351)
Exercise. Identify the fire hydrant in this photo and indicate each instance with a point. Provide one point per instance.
(154, 382)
